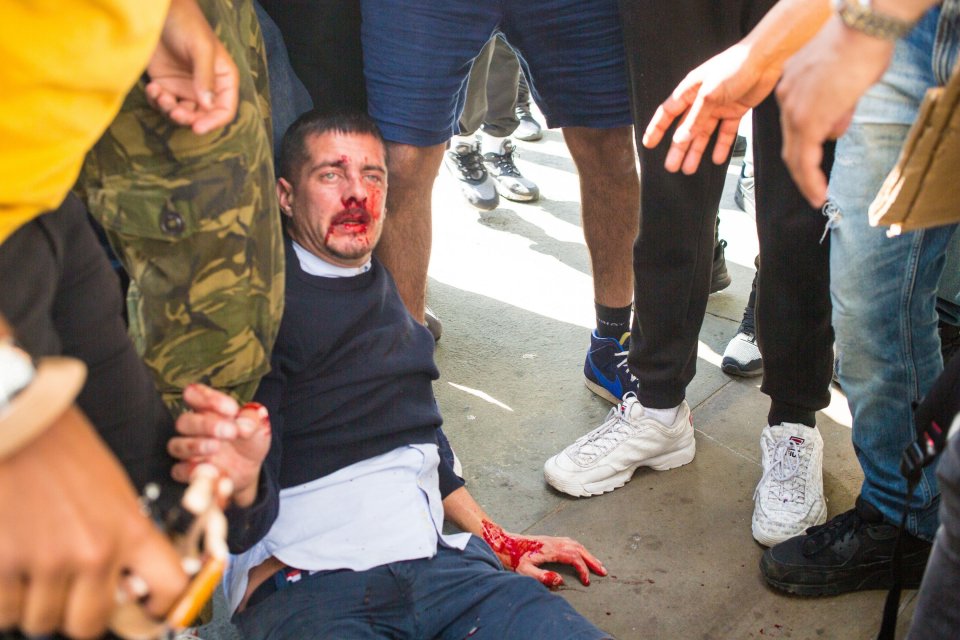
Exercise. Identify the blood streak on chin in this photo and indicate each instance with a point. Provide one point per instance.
(501, 543)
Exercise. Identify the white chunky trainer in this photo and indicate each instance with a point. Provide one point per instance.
(789, 498)
(606, 458)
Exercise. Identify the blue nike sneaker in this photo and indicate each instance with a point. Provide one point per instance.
(605, 371)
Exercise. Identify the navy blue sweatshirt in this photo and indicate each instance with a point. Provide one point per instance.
(351, 378)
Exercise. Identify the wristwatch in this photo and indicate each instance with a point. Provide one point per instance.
(16, 372)
(860, 16)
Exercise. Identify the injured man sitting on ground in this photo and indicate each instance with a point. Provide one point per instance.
(337, 521)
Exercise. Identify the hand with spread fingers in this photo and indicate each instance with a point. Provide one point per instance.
(193, 79)
(713, 97)
(521, 553)
(217, 431)
(525, 555)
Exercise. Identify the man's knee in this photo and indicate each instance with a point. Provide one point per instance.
(409, 165)
(606, 150)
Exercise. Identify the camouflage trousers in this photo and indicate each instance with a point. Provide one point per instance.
(195, 221)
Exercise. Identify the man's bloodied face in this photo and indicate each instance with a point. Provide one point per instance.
(336, 204)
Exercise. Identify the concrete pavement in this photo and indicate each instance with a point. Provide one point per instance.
(513, 288)
(514, 291)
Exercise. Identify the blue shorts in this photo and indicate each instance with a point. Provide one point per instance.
(417, 55)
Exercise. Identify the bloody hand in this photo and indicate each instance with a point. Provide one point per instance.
(525, 554)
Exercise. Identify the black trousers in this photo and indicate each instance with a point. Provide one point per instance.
(323, 41)
(61, 297)
(673, 253)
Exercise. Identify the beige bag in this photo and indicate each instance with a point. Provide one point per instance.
(923, 189)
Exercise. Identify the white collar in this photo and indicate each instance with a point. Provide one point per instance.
(317, 266)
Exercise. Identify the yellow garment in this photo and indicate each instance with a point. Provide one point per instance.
(65, 66)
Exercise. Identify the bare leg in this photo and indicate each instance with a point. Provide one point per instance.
(407, 232)
(610, 207)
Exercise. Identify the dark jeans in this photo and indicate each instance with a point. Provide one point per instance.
(673, 254)
(455, 594)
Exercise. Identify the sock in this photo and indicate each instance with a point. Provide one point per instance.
(490, 144)
(470, 140)
(663, 416)
(612, 322)
(780, 413)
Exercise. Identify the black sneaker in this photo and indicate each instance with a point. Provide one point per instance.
(851, 552)
(739, 146)
(719, 278)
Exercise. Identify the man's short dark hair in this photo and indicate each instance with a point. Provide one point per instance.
(293, 149)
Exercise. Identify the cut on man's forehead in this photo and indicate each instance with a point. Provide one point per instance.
(332, 150)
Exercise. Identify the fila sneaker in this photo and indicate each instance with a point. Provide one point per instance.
(605, 458)
(789, 497)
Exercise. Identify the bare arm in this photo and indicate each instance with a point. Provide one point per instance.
(821, 86)
(523, 554)
(717, 93)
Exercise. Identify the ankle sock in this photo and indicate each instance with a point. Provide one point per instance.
(780, 415)
(612, 322)
(490, 144)
(663, 416)
(470, 140)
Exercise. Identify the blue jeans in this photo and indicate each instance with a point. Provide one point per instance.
(884, 289)
(454, 595)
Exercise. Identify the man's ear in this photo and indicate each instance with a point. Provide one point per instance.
(285, 196)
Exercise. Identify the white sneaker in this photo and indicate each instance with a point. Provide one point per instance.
(511, 184)
(605, 458)
(789, 497)
(742, 356)
(465, 163)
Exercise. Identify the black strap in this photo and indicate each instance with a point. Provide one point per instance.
(928, 445)
(888, 627)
